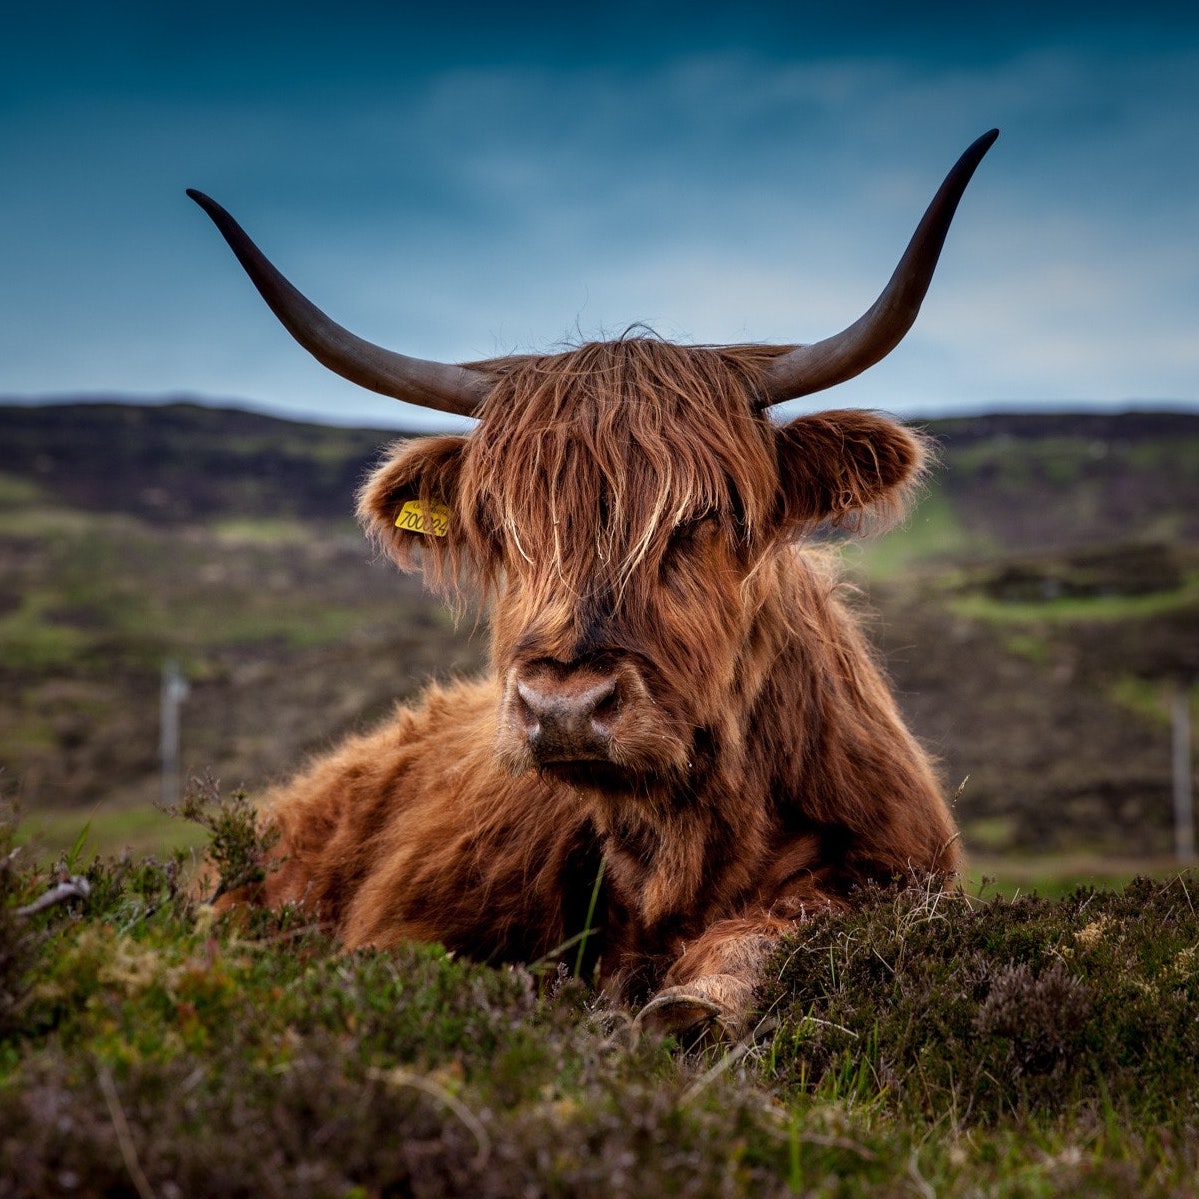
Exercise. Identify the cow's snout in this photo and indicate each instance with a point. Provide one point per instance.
(566, 716)
(592, 723)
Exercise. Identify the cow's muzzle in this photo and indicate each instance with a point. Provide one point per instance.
(595, 725)
(568, 721)
(555, 713)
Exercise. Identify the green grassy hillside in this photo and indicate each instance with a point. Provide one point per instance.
(1035, 612)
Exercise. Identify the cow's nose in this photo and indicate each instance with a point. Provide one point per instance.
(567, 720)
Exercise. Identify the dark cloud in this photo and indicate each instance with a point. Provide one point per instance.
(461, 182)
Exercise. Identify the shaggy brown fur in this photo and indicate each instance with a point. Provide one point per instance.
(633, 521)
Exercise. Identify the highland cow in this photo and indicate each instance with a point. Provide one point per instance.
(684, 744)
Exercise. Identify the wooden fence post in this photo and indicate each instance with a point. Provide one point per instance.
(174, 691)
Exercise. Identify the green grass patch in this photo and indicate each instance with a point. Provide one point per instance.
(1068, 609)
(989, 833)
(1150, 699)
(1167, 457)
(933, 532)
(140, 831)
(110, 584)
(1030, 647)
(990, 873)
(18, 492)
(23, 731)
(1146, 698)
(247, 530)
(30, 639)
(48, 521)
(1060, 461)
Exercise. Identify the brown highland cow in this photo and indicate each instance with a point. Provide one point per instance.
(678, 697)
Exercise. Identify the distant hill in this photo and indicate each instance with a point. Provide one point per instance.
(1019, 482)
(183, 462)
(1036, 611)
(1057, 481)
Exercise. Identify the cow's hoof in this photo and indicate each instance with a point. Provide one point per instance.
(678, 1012)
(711, 1008)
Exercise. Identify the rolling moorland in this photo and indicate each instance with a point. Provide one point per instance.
(1036, 612)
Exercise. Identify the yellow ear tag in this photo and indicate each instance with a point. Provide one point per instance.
(432, 518)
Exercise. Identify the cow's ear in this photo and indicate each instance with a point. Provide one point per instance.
(846, 468)
(407, 503)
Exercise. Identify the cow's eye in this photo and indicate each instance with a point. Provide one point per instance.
(690, 534)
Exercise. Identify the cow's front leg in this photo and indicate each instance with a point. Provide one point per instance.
(710, 988)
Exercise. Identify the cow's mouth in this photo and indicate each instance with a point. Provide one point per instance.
(594, 775)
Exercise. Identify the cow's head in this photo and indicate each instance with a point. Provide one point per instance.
(622, 502)
(624, 505)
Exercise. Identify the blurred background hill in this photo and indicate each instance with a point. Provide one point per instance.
(1037, 613)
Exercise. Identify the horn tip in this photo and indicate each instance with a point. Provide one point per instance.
(205, 202)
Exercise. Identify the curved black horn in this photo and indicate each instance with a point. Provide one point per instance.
(875, 334)
(437, 385)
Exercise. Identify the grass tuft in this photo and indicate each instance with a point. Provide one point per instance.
(924, 1043)
(238, 847)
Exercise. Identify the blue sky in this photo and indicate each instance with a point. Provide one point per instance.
(457, 182)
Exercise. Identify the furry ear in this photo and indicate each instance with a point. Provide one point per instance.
(426, 471)
(846, 467)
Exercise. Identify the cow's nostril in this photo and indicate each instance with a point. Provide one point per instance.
(525, 714)
(606, 707)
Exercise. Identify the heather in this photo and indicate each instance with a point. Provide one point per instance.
(927, 1043)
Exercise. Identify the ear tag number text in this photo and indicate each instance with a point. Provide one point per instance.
(432, 518)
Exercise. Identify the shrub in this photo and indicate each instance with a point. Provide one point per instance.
(974, 1010)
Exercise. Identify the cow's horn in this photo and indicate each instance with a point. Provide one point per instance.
(437, 385)
(875, 334)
